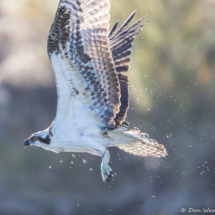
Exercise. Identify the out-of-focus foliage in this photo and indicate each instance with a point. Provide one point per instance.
(172, 91)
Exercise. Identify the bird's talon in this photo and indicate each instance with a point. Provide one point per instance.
(109, 178)
(107, 174)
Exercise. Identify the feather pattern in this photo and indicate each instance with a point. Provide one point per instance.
(78, 47)
(120, 44)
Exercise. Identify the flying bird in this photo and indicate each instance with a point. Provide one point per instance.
(90, 65)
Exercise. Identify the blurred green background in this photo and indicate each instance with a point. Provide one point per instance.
(172, 91)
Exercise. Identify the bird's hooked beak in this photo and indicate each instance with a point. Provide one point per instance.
(26, 143)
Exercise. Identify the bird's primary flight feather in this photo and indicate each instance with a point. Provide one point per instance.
(90, 63)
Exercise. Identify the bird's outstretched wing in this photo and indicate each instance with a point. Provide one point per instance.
(120, 44)
(79, 49)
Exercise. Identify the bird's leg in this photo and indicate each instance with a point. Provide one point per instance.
(105, 168)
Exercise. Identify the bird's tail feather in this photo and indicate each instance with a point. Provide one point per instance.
(143, 147)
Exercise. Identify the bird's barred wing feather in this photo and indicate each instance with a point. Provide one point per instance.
(78, 47)
(120, 44)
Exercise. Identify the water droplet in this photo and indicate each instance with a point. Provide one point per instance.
(90, 169)
(50, 167)
(61, 161)
(85, 161)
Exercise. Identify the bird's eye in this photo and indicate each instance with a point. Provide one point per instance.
(34, 138)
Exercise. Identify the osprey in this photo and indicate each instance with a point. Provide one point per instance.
(90, 63)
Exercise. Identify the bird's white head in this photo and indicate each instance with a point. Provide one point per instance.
(40, 139)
